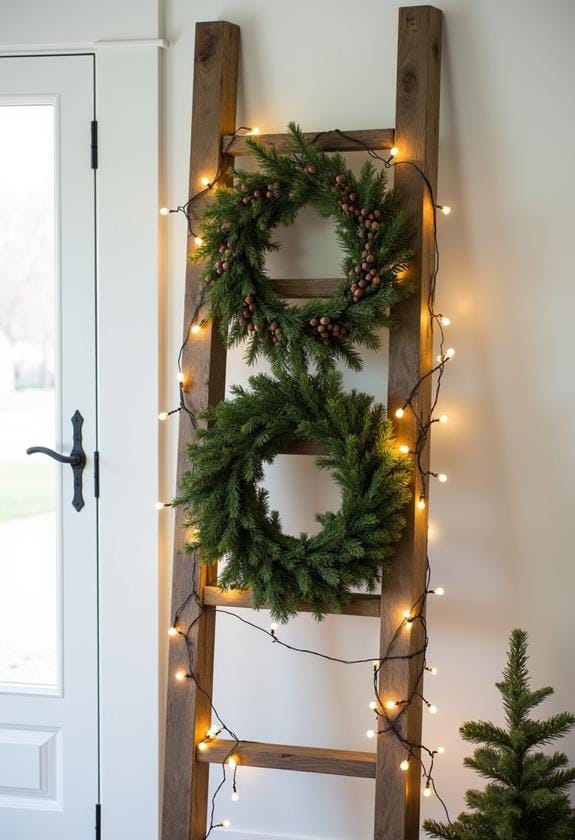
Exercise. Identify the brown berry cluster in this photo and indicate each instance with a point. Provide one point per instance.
(368, 224)
(326, 329)
(248, 312)
(269, 191)
(276, 332)
(224, 263)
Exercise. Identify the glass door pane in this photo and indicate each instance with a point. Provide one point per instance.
(29, 543)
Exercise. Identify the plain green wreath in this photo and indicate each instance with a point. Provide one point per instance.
(237, 228)
(229, 509)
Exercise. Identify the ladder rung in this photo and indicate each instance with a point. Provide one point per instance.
(361, 603)
(331, 141)
(303, 447)
(279, 757)
(304, 289)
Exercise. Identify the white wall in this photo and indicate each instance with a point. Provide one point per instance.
(502, 523)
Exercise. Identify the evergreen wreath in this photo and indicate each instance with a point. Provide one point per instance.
(230, 512)
(237, 228)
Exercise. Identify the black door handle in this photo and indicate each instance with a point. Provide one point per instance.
(76, 458)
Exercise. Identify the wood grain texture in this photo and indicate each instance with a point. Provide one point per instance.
(361, 765)
(361, 604)
(306, 289)
(188, 715)
(397, 803)
(329, 141)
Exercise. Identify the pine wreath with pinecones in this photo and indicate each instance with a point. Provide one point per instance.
(229, 510)
(237, 229)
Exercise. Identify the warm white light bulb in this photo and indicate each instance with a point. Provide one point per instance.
(439, 590)
(394, 151)
(226, 823)
(205, 182)
(445, 321)
(404, 765)
(391, 704)
(433, 671)
(164, 211)
(432, 709)
(163, 415)
(213, 731)
(427, 791)
(160, 505)
(232, 762)
(202, 746)
(443, 418)
(373, 705)
(442, 477)
(421, 504)
(180, 675)
(198, 240)
(235, 796)
(404, 449)
(399, 413)
(440, 750)
(255, 130)
(375, 664)
(180, 376)
(370, 733)
(450, 353)
(196, 328)
(445, 209)
(172, 631)
(273, 627)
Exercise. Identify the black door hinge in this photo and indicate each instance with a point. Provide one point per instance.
(94, 144)
(97, 474)
(98, 821)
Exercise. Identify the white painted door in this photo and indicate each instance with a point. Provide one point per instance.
(48, 549)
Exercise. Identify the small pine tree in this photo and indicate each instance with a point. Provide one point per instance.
(526, 798)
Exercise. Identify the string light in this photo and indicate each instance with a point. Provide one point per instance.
(180, 675)
(273, 628)
(163, 415)
(440, 750)
(180, 376)
(370, 733)
(423, 426)
(160, 505)
(439, 590)
(254, 130)
(442, 477)
(235, 795)
(427, 790)
(445, 209)
(165, 211)
(213, 731)
(432, 670)
(195, 328)
(202, 746)
(443, 418)
(172, 631)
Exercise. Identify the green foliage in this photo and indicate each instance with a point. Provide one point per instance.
(237, 229)
(231, 513)
(526, 798)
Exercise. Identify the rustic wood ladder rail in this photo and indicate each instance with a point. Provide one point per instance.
(397, 794)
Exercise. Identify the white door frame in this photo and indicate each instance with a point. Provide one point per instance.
(127, 201)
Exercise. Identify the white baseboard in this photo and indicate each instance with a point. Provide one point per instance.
(258, 835)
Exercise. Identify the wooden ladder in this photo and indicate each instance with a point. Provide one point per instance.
(397, 794)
